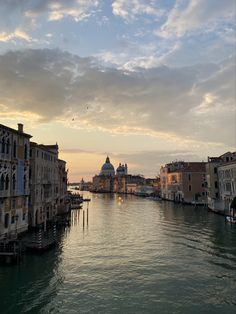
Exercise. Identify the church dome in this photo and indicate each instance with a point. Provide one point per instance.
(122, 169)
(107, 168)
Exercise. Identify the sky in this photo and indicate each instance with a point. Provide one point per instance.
(144, 81)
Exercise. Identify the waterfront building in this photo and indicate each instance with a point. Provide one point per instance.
(227, 183)
(155, 183)
(104, 182)
(220, 183)
(48, 184)
(14, 180)
(183, 182)
(119, 182)
(63, 206)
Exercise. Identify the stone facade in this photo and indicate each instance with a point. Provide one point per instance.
(48, 184)
(217, 198)
(14, 180)
(227, 183)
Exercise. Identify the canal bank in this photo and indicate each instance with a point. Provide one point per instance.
(134, 256)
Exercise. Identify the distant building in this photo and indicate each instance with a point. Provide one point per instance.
(183, 182)
(104, 182)
(14, 180)
(119, 182)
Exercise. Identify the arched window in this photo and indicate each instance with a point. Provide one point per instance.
(3, 145)
(14, 149)
(2, 181)
(7, 182)
(13, 182)
(8, 146)
(6, 220)
(26, 151)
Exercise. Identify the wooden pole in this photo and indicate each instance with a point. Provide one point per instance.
(87, 214)
(83, 219)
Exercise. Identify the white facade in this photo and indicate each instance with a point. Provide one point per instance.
(227, 183)
(44, 183)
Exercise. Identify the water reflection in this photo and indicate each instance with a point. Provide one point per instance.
(133, 256)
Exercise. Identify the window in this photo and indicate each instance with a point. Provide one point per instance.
(216, 184)
(24, 182)
(23, 217)
(217, 195)
(26, 152)
(3, 145)
(14, 149)
(215, 170)
(228, 187)
(13, 182)
(6, 220)
(7, 182)
(2, 181)
(189, 177)
(7, 146)
(13, 203)
(190, 188)
(12, 219)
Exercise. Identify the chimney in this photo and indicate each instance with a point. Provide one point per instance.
(20, 127)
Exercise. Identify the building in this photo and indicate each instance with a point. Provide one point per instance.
(14, 180)
(217, 182)
(104, 182)
(63, 206)
(183, 182)
(122, 181)
(227, 183)
(48, 184)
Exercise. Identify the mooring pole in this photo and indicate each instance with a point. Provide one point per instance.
(83, 219)
(87, 214)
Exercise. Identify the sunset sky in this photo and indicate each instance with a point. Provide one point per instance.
(144, 81)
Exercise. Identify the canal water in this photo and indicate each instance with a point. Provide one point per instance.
(134, 256)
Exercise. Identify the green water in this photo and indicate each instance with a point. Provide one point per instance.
(135, 256)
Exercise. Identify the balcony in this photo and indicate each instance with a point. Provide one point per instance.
(5, 193)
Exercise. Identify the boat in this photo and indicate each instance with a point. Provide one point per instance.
(154, 198)
(86, 199)
(230, 219)
(75, 200)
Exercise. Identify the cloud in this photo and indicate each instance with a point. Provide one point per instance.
(15, 13)
(197, 15)
(130, 10)
(185, 105)
(17, 34)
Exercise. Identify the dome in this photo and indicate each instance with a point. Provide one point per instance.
(107, 169)
(122, 169)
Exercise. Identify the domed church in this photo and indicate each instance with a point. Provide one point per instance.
(107, 169)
